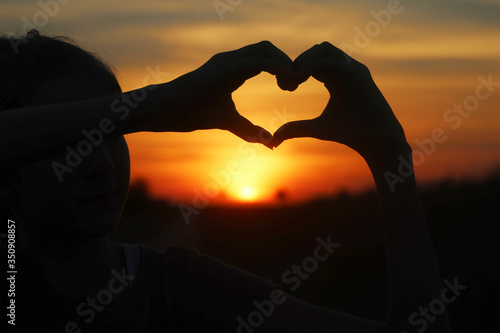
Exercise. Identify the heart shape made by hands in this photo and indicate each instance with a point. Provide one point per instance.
(259, 101)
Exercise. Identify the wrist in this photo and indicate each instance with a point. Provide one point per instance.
(149, 115)
(392, 166)
(386, 155)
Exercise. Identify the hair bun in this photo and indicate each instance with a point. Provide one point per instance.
(32, 33)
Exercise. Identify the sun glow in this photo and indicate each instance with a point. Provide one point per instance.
(247, 193)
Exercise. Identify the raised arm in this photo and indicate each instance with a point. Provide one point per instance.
(198, 100)
(358, 116)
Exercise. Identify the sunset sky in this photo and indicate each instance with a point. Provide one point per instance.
(426, 57)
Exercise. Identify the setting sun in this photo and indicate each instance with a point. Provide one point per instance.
(421, 73)
(247, 193)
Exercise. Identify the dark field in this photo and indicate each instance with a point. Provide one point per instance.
(463, 218)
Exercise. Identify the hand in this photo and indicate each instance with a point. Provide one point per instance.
(202, 99)
(357, 113)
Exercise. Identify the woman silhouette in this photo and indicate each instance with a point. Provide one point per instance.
(66, 195)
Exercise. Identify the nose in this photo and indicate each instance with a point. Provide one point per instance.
(99, 163)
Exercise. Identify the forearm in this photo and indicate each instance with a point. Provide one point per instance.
(31, 133)
(413, 276)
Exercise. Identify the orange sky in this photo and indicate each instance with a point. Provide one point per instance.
(425, 56)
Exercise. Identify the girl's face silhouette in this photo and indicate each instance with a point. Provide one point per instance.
(89, 199)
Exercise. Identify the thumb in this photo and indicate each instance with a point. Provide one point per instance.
(243, 128)
(295, 129)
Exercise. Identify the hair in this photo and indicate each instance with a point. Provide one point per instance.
(27, 62)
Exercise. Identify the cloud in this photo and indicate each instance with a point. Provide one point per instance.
(426, 59)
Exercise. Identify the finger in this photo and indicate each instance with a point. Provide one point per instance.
(243, 69)
(243, 128)
(295, 129)
(328, 63)
(319, 51)
(261, 49)
(333, 73)
(265, 49)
